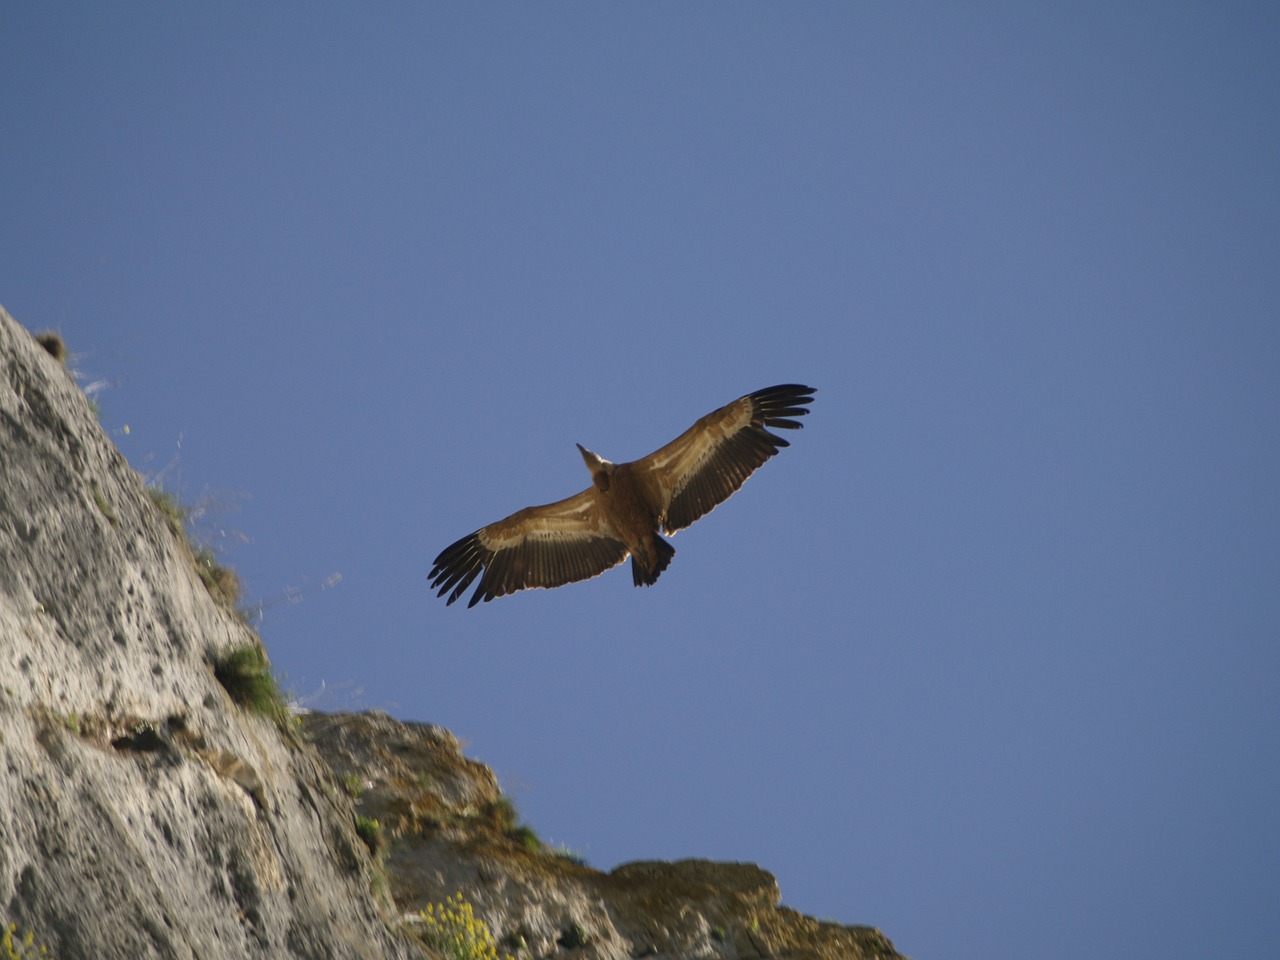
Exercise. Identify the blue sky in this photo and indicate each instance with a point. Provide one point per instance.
(988, 658)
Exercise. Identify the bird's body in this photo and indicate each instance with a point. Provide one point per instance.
(626, 507)
(628, 503)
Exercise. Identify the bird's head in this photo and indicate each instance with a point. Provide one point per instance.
(600, 467)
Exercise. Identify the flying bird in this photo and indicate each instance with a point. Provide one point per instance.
(626, 506)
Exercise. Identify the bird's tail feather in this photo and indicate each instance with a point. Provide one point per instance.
(663, 552)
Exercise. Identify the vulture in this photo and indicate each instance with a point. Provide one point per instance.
(626, 507)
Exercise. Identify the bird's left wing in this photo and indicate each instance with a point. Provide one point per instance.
(546, 546)
(706, 464)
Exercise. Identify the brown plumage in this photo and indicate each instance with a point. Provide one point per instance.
(625, 507)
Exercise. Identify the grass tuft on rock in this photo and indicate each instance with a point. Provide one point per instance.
(53, 343)
(221, 581)
(370, 831)
(502, 813)
(245, 674)
(169, 508)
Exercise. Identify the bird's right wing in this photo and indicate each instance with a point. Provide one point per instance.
(546, 546)
(707, 463)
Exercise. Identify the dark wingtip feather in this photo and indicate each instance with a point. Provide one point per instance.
(785, 393)
(775, 405)
(456, 567)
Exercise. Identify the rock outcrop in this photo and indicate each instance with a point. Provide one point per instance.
(145, 813)
(448, 828)
(142, 813)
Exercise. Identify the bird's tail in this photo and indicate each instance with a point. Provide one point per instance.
(662, 554)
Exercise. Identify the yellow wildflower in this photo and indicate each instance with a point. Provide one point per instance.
(453, 928)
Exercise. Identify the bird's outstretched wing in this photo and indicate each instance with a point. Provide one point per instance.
(706, 464)
(546, 546)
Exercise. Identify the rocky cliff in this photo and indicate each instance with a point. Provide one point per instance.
(148, 810)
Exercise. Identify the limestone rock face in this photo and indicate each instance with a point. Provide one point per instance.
(144, 814)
